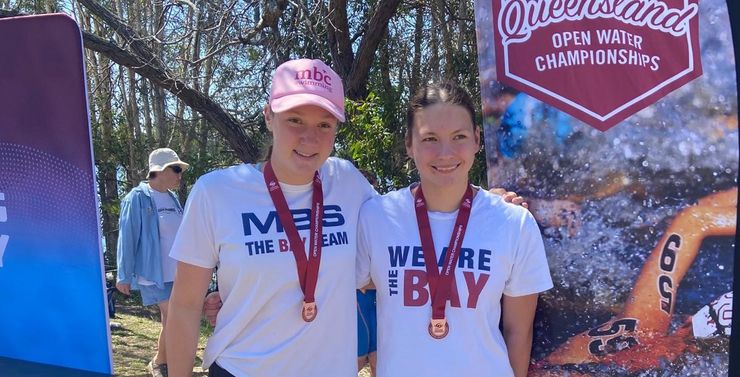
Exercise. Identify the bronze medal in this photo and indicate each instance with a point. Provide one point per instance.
(309, 311)
(440, 283)
(438, 328)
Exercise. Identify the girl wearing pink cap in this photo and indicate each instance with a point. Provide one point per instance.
(283, 236)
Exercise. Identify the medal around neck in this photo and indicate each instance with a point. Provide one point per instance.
(307, 267)
(309, 311)
(440, 283)
(438, 328)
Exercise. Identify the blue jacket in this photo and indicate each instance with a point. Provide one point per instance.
(138, 238)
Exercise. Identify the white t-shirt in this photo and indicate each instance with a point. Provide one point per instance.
(230, 222)
(502, 253)
(170, 216)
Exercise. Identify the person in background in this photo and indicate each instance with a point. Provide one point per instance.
(149, 219)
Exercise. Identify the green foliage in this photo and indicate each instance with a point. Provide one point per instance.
(203, 163)
(370, 139)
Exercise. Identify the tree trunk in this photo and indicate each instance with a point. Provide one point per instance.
(442, 20)
(148, 126)
(415, 78)
(107, 180)
(433, 67)
(377, 27)
(339, 38)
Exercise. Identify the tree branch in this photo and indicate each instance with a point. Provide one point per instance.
(339, 38)
(5, 13)
(357, 80)
(143, 61)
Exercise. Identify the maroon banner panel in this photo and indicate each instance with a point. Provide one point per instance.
(599, 61)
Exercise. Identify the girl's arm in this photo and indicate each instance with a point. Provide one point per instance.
(518, 319)
(183, 324)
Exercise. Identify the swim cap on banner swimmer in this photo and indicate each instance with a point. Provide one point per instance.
(714, 319)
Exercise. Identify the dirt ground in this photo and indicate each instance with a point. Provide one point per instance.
(134, 333)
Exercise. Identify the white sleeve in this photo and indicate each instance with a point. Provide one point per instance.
(362, 263)
(367, 191)
(194, 243)
(530, 272)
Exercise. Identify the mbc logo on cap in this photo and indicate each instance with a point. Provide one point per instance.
(307, 82)
(314, 77)
(598, 60)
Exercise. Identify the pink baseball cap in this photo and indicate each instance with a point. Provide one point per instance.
(307, 82)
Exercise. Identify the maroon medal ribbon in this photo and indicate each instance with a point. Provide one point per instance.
(440, 283)
(308, 268)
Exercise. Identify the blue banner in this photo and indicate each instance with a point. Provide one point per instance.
(54, 308)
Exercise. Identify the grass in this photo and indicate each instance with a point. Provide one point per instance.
(135, 339)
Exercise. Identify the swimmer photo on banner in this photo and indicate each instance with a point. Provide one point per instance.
(619, 125)
(53, 302)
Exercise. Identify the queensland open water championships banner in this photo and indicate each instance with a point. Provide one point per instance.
(52, 301)
(618, 121)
